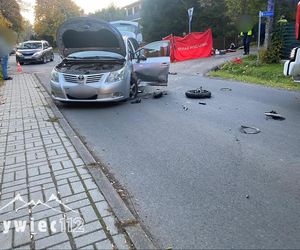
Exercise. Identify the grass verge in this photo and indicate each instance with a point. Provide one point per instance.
(270, 75)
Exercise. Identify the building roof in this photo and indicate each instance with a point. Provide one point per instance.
(133, 4)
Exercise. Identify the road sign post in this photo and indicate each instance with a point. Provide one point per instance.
(190, 13)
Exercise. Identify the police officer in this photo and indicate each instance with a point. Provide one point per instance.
(247, 36)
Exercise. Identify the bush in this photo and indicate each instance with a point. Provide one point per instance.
(274, 53)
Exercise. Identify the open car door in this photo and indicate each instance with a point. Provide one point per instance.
(152, 63)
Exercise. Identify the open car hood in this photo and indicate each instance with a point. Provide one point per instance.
(88, 34)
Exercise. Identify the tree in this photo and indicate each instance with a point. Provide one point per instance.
(111, 13)
(161, 18)
(27, 32)
(209, 16)
(238, 8)
(10, 11)
(50, 14)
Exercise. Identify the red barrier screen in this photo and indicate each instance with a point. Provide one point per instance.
(298, 22)
(192, 46)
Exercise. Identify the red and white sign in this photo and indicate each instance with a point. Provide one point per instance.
(194, 45)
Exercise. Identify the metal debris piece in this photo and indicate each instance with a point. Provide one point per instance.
(202, 103)
(225, 89)
(157, 95)
(173, 73)
(185, 108)
(274, 115)
(136, 101)
(249, 130)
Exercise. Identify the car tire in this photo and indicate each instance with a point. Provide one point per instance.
(198, 94)
(52, 58)
(133, 89)
(44, 60)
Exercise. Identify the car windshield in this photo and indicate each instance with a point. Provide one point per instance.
(34, 45)
(126, 27)
(95, 55)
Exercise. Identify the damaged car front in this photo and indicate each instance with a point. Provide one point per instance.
(95, 65)
(99, 65)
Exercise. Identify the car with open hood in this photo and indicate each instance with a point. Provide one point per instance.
(99, 65)
(34, 51)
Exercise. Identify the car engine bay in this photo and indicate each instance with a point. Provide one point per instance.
(86, 68)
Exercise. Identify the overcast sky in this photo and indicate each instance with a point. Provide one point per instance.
(87, 5)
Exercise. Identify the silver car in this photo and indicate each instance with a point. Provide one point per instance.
(100, 66)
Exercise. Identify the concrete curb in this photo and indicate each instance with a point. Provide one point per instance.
(135, 232)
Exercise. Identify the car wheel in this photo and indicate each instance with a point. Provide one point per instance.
(52, 58)
(198, 94)
(133, 89)
(44, 59)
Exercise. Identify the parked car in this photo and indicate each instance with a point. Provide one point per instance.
(34, 51)
(129, 29)
(100, 66)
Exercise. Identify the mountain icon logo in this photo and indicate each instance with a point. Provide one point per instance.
(34, 204)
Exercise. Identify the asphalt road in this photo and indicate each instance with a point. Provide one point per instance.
(195, 180)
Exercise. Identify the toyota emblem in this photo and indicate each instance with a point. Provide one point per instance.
(81, 78)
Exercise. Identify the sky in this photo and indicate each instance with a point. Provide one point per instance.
(87, 5)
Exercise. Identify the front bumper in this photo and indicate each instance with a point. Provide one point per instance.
(99, 92)
(28, 59)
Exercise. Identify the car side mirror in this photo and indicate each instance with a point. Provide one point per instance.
(141, 57)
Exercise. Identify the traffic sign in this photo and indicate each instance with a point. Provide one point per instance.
(191, 12)
(266, 13)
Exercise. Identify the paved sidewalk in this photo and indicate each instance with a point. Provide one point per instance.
(48, 198)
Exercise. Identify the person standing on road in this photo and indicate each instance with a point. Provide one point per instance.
(4, 55)
(247, 36)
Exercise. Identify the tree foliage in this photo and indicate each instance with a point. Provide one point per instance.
(50, 14)
(11, 15)
(111, 13)
(161, 18)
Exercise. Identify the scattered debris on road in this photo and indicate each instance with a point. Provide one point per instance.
(185, 108)
(237, 60)
(202, 103)
(157, 95)
(225, 89)
(274, 115)
(198, 93)
(173, 73)
(249, 130)
(136, 101)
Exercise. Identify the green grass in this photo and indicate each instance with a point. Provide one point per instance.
(270, 75)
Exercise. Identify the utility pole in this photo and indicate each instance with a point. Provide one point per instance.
(269, 25)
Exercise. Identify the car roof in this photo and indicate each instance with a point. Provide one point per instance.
(125, 22)
(35, 41)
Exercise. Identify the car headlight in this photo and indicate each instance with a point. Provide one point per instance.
(19, 53)
(54, 76)
(37, 54)
(293, 54)
(116, 76)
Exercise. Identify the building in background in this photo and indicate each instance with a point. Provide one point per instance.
(133, 11)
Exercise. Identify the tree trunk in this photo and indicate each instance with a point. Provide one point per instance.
(269, 25)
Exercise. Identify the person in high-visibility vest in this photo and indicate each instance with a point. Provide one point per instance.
(247, 36)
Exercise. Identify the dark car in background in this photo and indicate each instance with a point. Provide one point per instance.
(34, 51)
